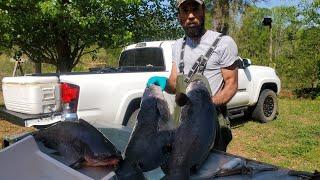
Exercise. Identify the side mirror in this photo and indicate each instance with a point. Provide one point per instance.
(246, 63)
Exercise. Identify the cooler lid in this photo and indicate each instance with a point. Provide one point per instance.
(30, 80)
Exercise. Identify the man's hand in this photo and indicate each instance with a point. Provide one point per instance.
(158, 80)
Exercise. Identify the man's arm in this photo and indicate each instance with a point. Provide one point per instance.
(171, 83)
(230, 77)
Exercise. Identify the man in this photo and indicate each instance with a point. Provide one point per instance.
(220, 70)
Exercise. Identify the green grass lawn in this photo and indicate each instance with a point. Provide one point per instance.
(292, 140)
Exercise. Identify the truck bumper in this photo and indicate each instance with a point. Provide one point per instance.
(29, 120)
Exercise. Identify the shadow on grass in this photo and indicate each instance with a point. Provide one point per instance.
(240, 122)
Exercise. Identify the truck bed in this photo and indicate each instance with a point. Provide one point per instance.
(34, 161)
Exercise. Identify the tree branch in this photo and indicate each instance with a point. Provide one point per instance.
(79, 55)
(75, 49)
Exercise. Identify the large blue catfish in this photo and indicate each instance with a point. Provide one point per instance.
(196, 132)
(80, 144)
(149, 143)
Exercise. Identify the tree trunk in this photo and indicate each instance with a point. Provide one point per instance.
(37, 67)
(221, 16)
(63, 47)
(63, 66)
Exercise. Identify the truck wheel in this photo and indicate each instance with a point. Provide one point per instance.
(133, 118)
(267, 106)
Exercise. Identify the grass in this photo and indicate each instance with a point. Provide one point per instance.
(7, 128)
(292, 140)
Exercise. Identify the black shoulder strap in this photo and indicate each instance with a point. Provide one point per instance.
(201, 62)
(181, 63)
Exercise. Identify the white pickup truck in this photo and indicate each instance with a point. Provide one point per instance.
(112, 95)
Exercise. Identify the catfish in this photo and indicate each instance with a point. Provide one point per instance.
(195, 134)
(149, 143)
(80, 144)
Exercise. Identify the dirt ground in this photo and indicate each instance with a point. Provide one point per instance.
(7, 128)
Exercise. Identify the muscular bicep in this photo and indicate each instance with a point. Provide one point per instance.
(171, 84)
(230, 77)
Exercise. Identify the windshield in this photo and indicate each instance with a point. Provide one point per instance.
(142, 57)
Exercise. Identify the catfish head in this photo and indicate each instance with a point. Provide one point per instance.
(153, 101)
(195, 93)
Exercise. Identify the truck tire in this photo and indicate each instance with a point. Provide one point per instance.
(266, 108)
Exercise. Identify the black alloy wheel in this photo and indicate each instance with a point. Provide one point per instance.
(266, 108)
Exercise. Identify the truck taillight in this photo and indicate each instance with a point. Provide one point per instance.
(70, 96)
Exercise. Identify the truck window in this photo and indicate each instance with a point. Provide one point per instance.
(142, 57)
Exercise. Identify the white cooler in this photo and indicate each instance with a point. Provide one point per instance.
(31, 94)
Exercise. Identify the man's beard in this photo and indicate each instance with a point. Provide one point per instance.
(194, 32)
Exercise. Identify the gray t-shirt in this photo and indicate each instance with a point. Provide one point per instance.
(223, 56)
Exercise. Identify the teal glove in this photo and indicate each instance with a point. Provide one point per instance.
(158, 80)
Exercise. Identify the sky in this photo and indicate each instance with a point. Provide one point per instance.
(274, 3)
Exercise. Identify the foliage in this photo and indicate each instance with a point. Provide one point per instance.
(311, 93)
(297, 45)
(310, 11)
(155, 20)
(57, 32)
(224, 12)
(295, 42)
(252, 37)
(60, 32)
(307, 58)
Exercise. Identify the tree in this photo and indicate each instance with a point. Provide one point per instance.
(252, 37)
(155, 20)
(286, 26)
(310, 10)
(304, 67)
(308, 44)
(60, 32)
(223, 8)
